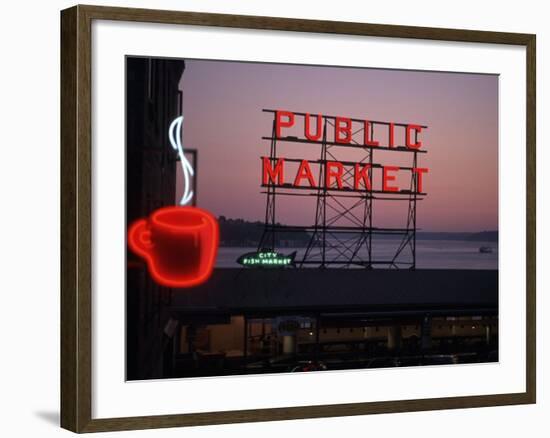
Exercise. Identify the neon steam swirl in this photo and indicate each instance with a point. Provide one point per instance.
(174, 135)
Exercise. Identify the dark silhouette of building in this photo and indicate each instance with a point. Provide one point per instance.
(153, 100)
(281, 320)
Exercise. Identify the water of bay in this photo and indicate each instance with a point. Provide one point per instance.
(430, 254)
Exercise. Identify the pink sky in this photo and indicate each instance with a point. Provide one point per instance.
(222, 106)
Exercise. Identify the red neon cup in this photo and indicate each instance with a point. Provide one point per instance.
(179, 245)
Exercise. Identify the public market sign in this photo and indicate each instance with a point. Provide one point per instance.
(342, 131)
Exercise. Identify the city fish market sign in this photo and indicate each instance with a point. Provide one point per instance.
(266, 259)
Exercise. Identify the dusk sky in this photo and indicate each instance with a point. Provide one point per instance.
(222, 106)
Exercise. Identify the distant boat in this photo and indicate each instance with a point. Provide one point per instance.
(485, 249)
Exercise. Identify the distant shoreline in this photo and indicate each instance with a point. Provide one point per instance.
(480, 236)
(458, 237)
(242, 233)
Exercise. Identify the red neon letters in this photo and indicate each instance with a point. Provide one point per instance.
(273, 175)
(345, 130)
(339, 176)
(334, 169)
(361, 174)
(408, 141)
(419, 171)
(369, 141)
(307, 129)
(281, 123)
(342, 130)
(179, 245)
(387, 178)
(304, 171)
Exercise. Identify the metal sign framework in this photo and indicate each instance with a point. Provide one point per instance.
(343, 230)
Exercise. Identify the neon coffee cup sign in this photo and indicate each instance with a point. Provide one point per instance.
(178, 243)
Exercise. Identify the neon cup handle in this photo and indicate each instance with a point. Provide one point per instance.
(139, 238)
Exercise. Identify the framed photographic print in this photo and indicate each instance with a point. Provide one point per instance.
(304, 218)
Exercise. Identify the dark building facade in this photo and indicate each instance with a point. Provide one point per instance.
(281, 320)
(153, 100)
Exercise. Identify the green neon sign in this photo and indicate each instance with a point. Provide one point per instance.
(266, 259)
